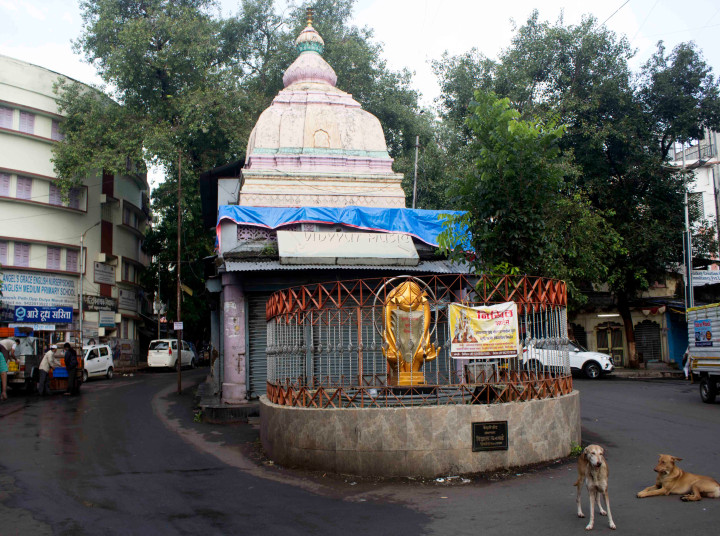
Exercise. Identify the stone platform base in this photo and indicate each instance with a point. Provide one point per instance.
(423, 441)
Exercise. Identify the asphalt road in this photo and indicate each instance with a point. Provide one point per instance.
(125, 457)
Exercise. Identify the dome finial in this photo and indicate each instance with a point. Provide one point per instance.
(309, 16)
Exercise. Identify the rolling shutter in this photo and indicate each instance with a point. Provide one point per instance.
(257, 338)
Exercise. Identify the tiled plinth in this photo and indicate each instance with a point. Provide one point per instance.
(426, 441)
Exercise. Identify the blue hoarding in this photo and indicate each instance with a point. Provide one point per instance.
(43, 315)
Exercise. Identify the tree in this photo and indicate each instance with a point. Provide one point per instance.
(520, 214)
(186, 86)
(615, 134)
(680, 94)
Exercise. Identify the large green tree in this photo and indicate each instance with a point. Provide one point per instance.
(519, 209)
(184, 88)
(619, 130)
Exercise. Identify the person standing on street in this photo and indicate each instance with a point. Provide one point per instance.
(4, 356)
(49, 361)
(71, 363)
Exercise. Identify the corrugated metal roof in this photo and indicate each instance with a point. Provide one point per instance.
(436, 267)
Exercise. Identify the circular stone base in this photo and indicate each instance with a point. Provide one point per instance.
(419, 441)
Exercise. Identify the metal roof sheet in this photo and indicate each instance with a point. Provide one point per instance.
(436, 267)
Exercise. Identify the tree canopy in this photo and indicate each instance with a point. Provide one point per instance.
(618, 130)
(185, 85)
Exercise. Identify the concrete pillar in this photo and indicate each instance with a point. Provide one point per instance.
(234, 387)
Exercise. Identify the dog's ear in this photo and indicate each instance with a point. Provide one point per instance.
(676, 459)
(583, 454)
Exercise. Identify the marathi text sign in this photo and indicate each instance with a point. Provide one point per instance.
(104, 273)
(99, 303)
(43, 315)
(489, 332)
(127, 299)
(106, 319)
(703, 332)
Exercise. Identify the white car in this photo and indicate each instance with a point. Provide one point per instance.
(97, 361)
(592, 364)
(163, 353)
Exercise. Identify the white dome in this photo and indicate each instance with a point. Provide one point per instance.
(313, 126)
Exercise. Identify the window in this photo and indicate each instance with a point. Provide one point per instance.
(24, 188)
(3, 252)
(22, 254)
(55, 133)
(130, 218)
(103, 351)
(5, 184)
(74, 198)
(55, 195)
(27, 122)
(129, 272)
(53, 258)
(71, 260)
(6, 117)
(696, 206)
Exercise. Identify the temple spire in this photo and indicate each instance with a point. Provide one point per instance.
(309, 16)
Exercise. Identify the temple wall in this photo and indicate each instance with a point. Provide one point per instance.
(421, 441)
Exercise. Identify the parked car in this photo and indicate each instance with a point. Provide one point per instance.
(98, 361)
(592, 364)
(163, 353)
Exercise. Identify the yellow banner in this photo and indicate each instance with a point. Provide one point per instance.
(490, 332)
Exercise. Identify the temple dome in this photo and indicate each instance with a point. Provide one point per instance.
(312, 126)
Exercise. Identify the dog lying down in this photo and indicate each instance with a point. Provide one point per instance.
(593, 471)
(672, 479)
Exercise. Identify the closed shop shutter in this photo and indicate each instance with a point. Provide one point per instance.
(647, 340)
(257, 337)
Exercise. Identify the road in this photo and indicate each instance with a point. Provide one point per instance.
(125, 457)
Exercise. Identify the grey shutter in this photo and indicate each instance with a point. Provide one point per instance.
(257, 338)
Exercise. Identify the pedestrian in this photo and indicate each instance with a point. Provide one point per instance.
(4, 356)
(71, 363)
(49, 361)
(686, 363)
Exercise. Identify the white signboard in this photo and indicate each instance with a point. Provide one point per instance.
(705, 277)
(106, 319)
(178, 326)
(104, 273)
(377, 249)
(127, 299)
(36, 289)
(34, 327)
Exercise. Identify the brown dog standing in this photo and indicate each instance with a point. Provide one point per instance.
(672, 479)
(593, 470)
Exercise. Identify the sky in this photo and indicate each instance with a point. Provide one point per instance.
(413, 32)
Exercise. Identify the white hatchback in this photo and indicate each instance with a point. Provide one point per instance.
(163, 353)
(97, 361)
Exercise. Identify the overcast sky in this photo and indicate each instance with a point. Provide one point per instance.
(414, 32)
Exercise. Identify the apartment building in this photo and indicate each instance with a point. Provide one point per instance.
(66, 261)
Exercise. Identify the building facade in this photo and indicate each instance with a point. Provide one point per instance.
(81, 252)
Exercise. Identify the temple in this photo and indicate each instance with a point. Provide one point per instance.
(316, 199)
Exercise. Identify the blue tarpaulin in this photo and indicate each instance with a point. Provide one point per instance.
(425, 225)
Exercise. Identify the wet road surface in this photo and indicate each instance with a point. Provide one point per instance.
(125, 457)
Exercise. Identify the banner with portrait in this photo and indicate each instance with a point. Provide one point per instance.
(483, 332)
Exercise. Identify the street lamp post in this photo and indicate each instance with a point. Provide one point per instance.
(82, 278)
(689, 294)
